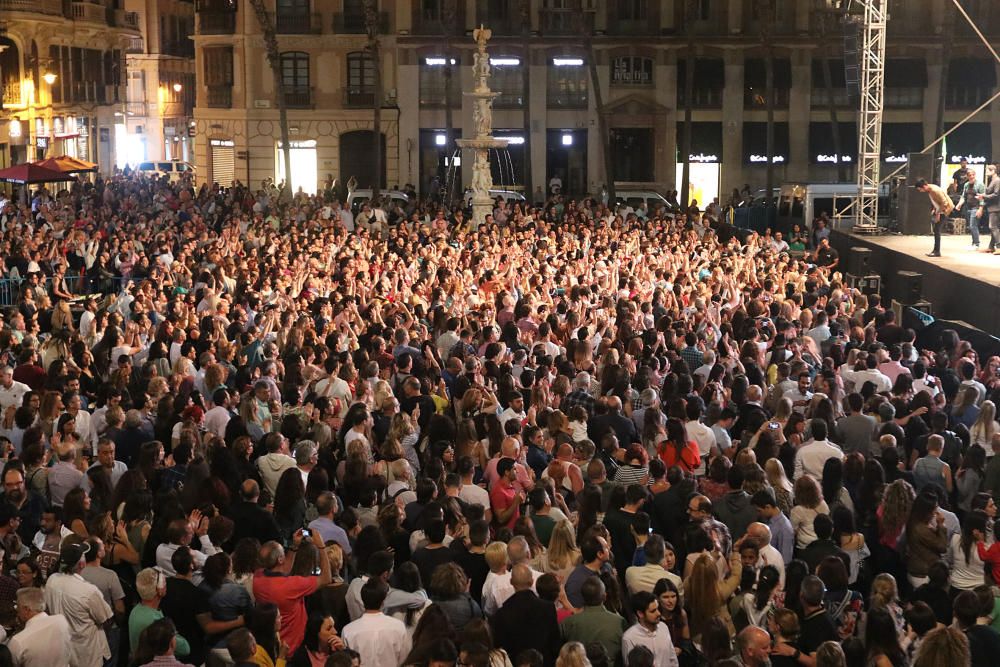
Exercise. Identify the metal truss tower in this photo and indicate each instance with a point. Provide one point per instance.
(872, 84)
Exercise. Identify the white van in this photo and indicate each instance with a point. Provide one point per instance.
(358, 198)
(173, 169)
(633, 198)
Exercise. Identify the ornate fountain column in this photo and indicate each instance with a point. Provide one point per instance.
(482, 115)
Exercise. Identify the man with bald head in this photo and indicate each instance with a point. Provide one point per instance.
(761, 534)
(753, 646)
(526, 621)
(501, 589)
(250, 519)
(510, 448)
(613, 420)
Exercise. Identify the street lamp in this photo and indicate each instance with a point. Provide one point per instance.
(178, 87)
(49, 77)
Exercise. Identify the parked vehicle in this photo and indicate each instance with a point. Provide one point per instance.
(358, 198)
(508, 195)
(174, 169)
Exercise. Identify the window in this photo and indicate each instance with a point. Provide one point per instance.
(295, 78)
(434, 82)
(219, 66)
(567, 83)
(430, 10)
(295, 69)
(292, 16)
(632, 10)
(354, 16)
(704, 10)
(632, 71)
(360, 72)
(508, 81)
(632, 150)
(360, 79)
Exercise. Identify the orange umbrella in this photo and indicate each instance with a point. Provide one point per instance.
(66, 164)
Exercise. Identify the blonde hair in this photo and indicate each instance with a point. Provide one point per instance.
(572, 654)
(701, 591)
(884, 591)
(562, 551)
(496, 555)
(776, 476)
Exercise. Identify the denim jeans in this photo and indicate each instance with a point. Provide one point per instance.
(973, 221)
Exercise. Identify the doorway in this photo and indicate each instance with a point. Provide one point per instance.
(566, 158)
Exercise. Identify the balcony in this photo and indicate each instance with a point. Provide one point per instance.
(565, 22)
(49, 7)
(125, 19)
(298, 97)
(702, 98)
(135, 109)
(181, 48)
(354, 24)
(820, 98)
(86, 91)
(966, 97)
(299, 24)
(89, 12)
(11, 93)
(563, 99)
(359, 98)
(220, 97)
(216, 22)
(135, 45)
(626, 27)
(756, 99)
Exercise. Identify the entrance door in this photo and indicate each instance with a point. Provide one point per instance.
(305, 173)
(356, 158)
(566, 157)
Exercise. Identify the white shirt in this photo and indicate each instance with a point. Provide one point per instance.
(86, 324)
(165, 552)
(44, 642)
(812, 456)
(216, 420)
(500, 590)
(86, 611)
(771, 556)
(880, 380)
(704, 437)
(381, 640)
(794, 395)
(509, 414)
(475, 495)
(657, 641)
(13, 395)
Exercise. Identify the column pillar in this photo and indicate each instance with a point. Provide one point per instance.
(732, 124)
(799, 112)
(536, 135)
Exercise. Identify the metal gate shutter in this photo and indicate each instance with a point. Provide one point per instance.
(223, 162)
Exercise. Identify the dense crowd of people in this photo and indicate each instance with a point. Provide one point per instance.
(278, 432)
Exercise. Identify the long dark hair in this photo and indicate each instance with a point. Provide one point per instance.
(833, 479)
(881, 636)
(973, 522)
(288, 493)
(407, 577)
(262, 620)
(767, 581)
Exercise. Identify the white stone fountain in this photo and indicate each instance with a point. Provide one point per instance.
(482, 115)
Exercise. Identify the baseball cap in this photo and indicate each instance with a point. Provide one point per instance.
(70, 554)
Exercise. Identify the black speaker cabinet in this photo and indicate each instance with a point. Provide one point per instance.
(920, 165)
(907, 287)
(859, 261)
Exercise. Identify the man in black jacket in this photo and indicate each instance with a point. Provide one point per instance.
(525, 621)
(250, 519)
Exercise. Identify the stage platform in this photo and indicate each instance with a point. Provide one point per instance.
(962, 284)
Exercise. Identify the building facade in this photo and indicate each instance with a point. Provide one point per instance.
(161, 82)
(62, 72)
(642, 49)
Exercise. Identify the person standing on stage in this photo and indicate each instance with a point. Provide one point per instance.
(991, 202)
(942, 207)
(968, 203)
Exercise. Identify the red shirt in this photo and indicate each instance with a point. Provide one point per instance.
(288, 594)
(503, 496)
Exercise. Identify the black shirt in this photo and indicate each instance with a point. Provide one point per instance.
(984, 645)
(474, 566)
(182, 604)
(816, 628)
(428, 560)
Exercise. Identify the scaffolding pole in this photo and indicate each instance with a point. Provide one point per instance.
(872, 54)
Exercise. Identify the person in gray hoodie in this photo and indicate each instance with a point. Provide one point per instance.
(735, 509)
(275, 462)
